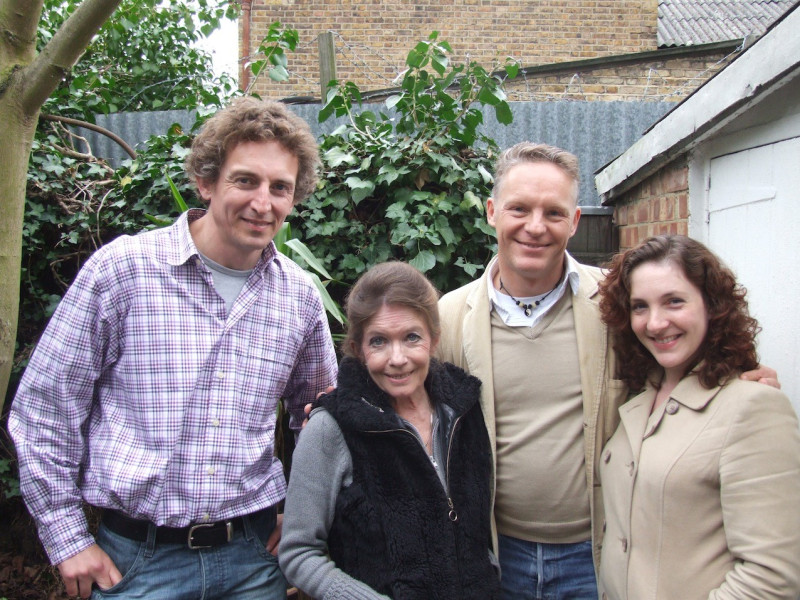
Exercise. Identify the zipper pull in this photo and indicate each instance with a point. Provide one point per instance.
(452, 514)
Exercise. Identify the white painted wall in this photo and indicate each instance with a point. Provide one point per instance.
(745, 205)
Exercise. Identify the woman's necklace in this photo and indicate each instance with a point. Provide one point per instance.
(429, 445)
(526, 308)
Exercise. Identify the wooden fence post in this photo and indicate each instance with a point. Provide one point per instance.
(327, 62)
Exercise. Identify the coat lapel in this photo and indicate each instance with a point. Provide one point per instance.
(634, 415)
(477, 337)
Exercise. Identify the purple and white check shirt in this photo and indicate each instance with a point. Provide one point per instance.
(144, 396)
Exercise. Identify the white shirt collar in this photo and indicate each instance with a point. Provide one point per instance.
(512, 315)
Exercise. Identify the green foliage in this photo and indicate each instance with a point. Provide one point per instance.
(144, 58)
(9, 479)
(292, 247)
(409, 182)
(278, 40)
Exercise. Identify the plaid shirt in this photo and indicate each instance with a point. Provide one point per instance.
(144, 396)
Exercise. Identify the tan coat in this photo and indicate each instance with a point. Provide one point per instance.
(703, 498)
(465, 341)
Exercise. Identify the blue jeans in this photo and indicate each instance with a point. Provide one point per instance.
(239, 570)
(534, 571)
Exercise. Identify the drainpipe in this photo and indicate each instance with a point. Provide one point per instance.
(244, 68)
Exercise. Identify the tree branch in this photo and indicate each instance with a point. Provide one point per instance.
(63, 51)
(85, 124)
(19, 20)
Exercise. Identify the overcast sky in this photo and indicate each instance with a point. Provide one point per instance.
(224, 48)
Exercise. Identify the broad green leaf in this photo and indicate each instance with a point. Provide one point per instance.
(336, 157)
(423, 262)
(360, 188)
(503, 113)
(471, 201)
(279, 73)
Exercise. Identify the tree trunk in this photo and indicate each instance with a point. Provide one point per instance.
(26, 81)
(14, 153)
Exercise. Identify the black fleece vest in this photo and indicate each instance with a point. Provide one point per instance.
(395, 527)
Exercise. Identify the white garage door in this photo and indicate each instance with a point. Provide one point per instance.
(754, 224)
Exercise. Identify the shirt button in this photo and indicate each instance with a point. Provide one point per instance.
(211, 470)
(672, 407)
(219, 374)
(215, 422)
(206, 518)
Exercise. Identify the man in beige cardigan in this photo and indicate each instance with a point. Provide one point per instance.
(530, 329)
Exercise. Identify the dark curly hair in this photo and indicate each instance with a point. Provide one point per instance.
(248, 119)
(729, 345)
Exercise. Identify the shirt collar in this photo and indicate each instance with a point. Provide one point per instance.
(185, 249)
(511, 314)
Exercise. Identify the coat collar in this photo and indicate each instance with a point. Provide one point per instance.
(635, 414)
(368, 407)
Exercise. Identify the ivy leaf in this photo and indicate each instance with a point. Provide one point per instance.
(360, 188)
(336, 157)
(471, 201)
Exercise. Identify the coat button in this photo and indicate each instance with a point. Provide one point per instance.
(672, 407)
(624, 544)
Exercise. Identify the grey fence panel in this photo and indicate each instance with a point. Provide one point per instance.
(133, 127)
(596, 131)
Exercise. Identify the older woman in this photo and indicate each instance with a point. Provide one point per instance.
(389, 490)
(701, 481)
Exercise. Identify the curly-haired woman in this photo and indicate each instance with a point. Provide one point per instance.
(702, 478)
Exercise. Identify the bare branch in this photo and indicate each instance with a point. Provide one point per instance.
(85, 124)
(63, 51)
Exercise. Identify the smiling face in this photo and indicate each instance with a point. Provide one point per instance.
(534, 216)
(668, 316)
(247, 204)
(397, 349)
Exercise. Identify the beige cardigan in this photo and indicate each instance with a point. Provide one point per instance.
(708, 505)
(465, 341)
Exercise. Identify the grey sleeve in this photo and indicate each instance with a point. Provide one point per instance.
(321, 466)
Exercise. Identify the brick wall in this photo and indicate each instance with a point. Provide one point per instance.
(659, 204)
(374, 36)
(663, 80)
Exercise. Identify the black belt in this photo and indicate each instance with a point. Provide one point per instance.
(196, 536)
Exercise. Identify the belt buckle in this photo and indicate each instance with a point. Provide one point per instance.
(193, 528)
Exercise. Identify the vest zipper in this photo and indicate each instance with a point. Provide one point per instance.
(452, 514)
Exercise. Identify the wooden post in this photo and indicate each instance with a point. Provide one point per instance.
(327, 62)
